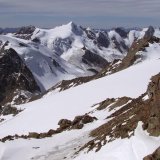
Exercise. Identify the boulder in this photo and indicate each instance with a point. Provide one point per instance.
(64, 123)
(34, 135)
(51, 132)
(88, 119)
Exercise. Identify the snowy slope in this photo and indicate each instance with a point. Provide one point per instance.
(64, 144)
(135, 148)
(77, 101)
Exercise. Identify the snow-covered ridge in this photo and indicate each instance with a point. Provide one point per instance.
(70, 40)
(47, 68)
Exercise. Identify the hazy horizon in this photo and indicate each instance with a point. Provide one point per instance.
(88, 13)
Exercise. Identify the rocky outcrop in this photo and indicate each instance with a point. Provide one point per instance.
(153, 122)
(103, 40)
(93, 59)
(137, 46)
(154, 156)
(149, 33)
(25, 32)
(64, 124)
(132, 57)
(77, 123)
(15, 78)
(62, 45)
(124, 120)
(122, 32)
(90, 34)
(8, 109)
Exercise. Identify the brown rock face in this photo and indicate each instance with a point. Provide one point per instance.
(137, 46)
(33, 135)
(64, 123)
(123, 122)
(154, 156)
(15, 76)
(77, 123)
(154, 118)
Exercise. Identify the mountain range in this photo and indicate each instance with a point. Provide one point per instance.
(79, 93)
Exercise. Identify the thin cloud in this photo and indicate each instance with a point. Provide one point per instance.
(82, 8)
(91, 7)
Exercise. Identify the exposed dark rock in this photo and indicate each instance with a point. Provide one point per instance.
(77, 30)
(61, 45)
(33, 135)
(153, 121)
(15, 76)
(102, 40)
(91, 35)
(8, 109)
(58, 66)
(154, 156)
(77, 123)
(122, 32)
(64, 123)
(51, 132)
(36, 40)
(131, 57)
(113, 102)
(78, 126)
(88, 119)
(105, 103)
(9, 138)
(83, 119)
(25, 32)
(94, 59)
(93, 70)
(149, 33)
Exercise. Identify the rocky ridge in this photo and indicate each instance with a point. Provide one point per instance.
(17, 84)
(117, 65)
(123, 122)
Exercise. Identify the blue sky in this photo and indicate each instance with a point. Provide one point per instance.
(93, 13)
